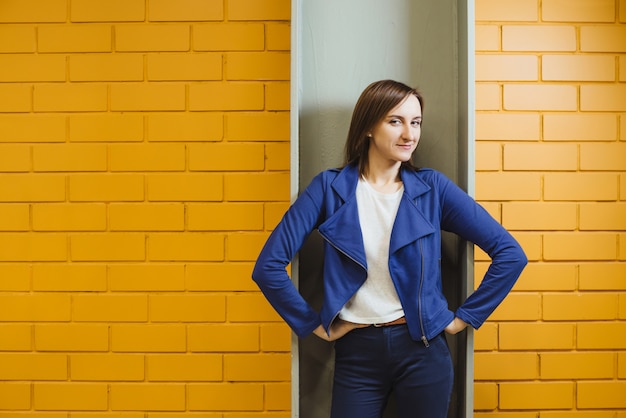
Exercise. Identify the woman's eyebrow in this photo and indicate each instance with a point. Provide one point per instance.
(402, 117)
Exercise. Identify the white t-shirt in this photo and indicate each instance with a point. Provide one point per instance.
(377, 301)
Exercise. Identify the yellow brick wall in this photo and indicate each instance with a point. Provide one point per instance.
(144, 157)
(551, 166)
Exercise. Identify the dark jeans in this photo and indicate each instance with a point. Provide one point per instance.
(372, 363)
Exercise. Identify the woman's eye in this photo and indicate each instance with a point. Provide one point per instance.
(395, 121)
(416, 123)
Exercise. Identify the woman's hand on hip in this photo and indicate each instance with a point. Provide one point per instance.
(338, 329)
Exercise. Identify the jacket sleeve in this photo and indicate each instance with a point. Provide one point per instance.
(270, 270)
(465, 217)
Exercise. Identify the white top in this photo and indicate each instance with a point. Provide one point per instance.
(377, 301)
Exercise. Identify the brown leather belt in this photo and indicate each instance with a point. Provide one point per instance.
(399, 321)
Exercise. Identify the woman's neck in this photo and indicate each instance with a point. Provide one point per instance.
(385, 180)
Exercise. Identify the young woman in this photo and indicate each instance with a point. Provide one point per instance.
(381, 220)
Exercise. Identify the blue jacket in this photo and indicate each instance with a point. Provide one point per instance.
(430, 203)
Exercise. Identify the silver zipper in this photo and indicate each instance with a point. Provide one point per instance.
(419, 299)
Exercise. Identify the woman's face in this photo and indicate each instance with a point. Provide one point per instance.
(396, 136)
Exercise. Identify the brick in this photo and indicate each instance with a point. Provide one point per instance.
(106, 367)
(278, 156)
(259, 10)
(107, 10)
(567, 366)
(15, 97)
(485, 396)
(148, 338)
(602, 38)
(531, 395)
(622, 18)
(539, 216)
(153, 37)
(109, 308)
(108, 247)
(187, 127)
(147, 157)
(69, 157)
(184, 367)
(278, 396)
(257, 126)
(487, 37)
(277, 96)
(518, 306)
(223, 338)
(14, 217)
(608, 157)
(503, 67)
(187, 308)
(33, 366)
(508, 126)
(184, 66)
(250, 307)
(31, 67)
(74, 38)
(144, 397)
(225, 397)
(622, 248)
(15, 395)
(33, 247)
(541, 156)
(226, 157)
(578, 11)
(257, 187)
(225, 217)
(106, 67)
(547, 277)
(508, 186)
(536, 336)
(15, 158)
(601, 335)
(17, 38)
(602, 216)
(147, 97)
(146, 217)
(602, 276)
(15, 277)
(621, 365)
(278, 36)
(488, 96)
(580, 246)
(244, 246)
(70, 396)
(579, 306)
(577, 414)
(273, 214)
(186, 247)
(534, 97)
(71, 337)
(622, 306)
(622, 66)
(580, 186)
(507, 10)
(32, 128)
(220, 277)
(229, 36)
(146, 277)
(69, 277)
(486, 337)
(16, 337)
(43, 11)
(106, 127)
(275, 338)
(506, 366)
(601, 394)
(579, 127)
(577, 68)
(488, 156)
(257, 66)
(185, 187)
(257, 367)
(185, 10)
(600, 97)
(220, 96)
(70, 97)
(106, 187)
(538, 38)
